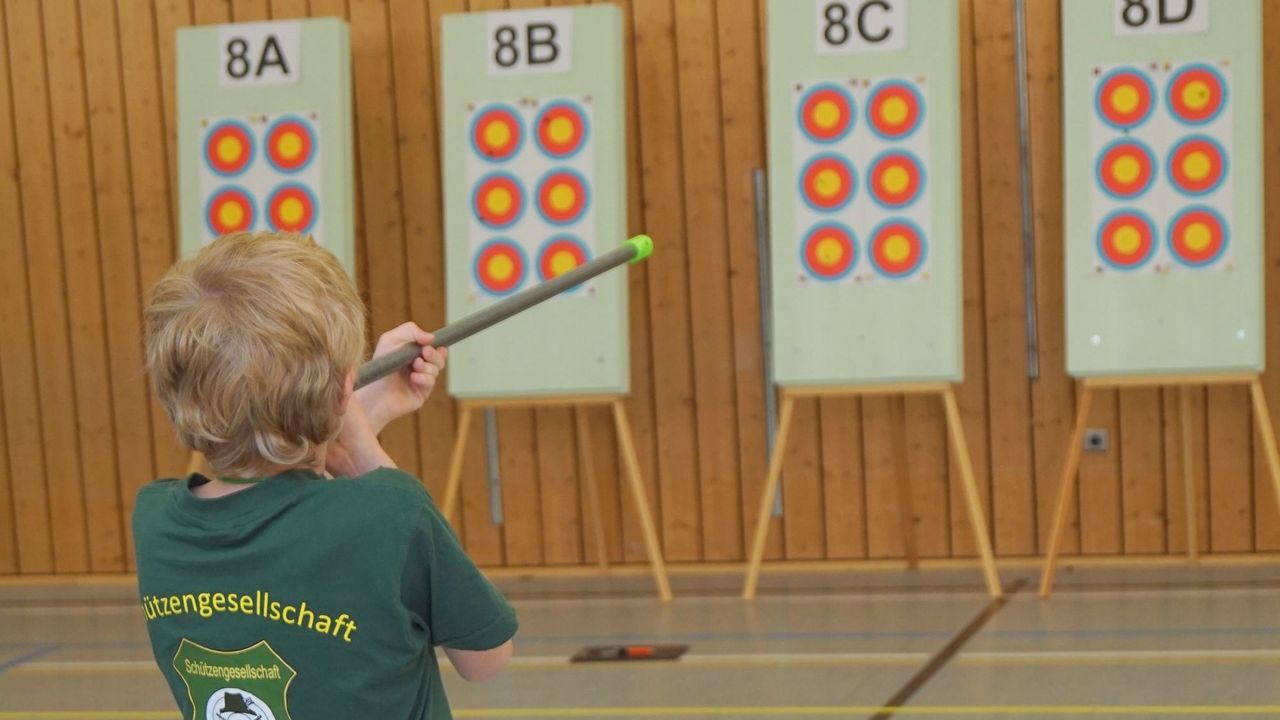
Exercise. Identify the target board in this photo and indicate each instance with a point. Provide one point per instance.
(1163, 186)
(534, 187)
(265, 132)
(865, 230)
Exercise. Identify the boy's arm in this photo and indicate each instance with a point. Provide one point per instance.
(480, 665)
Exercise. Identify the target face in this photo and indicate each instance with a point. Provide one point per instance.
(827, 183)
(1125, 98)
(896, 179)
(497, 133)
(826, 113)
(291, 144)
(1196, 94)
(1126, 169)
(562, 196)
(230, 209)
(498, 200)
(561, 129)
(228, 148)
(1197, 165)
(559, 255)
(500, 267)
(1198, 236)
(895, 110)
(1126, 239)
(897, 248)
(829, 251)
(292, 208)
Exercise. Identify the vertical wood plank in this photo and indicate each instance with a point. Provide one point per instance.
(250, 10)
(288, 9)
(1101, 519)
(1175, 501)
(1142, 471)
(926, 438)
(884, 516)
(1230, 470)
(844, 500)
(521, 497)
(170, 15)
(1267, 517)
(803, 520)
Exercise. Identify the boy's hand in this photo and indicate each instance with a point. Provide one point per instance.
(356, 450)
(404, 391)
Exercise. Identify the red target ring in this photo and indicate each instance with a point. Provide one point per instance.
(1197, 165)
(895, 110)
(827, 183)
(896, 179)
(1125, 98)
(561, 129)
(829, 251)
(228, 148)
(1198, 236)
(292, 208)
(897, 248)
(826, 113)
(1126, 239)
(498, 200)
(1197, 94)
(559, 255)
(229, 209)
(291, 144)
(499, 267)
(1126, 169)
(562, 197)
(496, 133)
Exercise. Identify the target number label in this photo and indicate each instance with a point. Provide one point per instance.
(855, 26)
(268, 53)
(523, 42)
(1147, 17)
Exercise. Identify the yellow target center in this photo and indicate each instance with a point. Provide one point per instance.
(562, 197)
(894, 111)
(229, 149)
(498, 201)
(1197, 165)
(1125, 99)
(1196, 94)
(497, 134)
(291, 210)
(1198, 236)
(290, 145)
(1127, 240)
(501, 268)
(897, 248)
(230, 214)
(562, 262)
(830, 251)
(826, 114)
(827, 183)
(560, 130)
(896, 179)
(1126, 169)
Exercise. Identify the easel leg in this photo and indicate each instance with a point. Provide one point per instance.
(1188, 476)
(455, 462)
(976, 517)
(766, 498)
(592, 490)
(641, 499)
(1268, 433)
(1070, 466)
(906, 508)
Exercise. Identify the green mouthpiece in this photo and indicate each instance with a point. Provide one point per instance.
(643, 245)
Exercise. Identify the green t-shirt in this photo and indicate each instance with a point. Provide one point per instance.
(304, 598)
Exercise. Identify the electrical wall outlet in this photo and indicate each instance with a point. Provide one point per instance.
(1097, 440)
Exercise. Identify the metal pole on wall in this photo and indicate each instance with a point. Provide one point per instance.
(492, 465)
(1028, 209)
(761, 194)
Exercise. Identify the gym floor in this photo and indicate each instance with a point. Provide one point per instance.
(1149, 643)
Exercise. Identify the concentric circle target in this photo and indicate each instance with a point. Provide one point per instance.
(826, 113)
(497, 132)
(1126, 239)
(290, 144)
(562, 129)
(1125, 98)
(499, 267)
(896, 179)
(292, 207)
(1126, 169)
(498, 200)
(228, 148)
(829, 251)
(897, 248)
(229, 209)
(1196, 94)
(827, 182)
(563, 196)
(561, 254)
(1198, 236)
(895, 109)
(1197, 165)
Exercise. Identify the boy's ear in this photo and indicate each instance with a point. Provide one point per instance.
(348, 388)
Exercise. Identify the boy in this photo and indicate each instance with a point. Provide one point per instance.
(309, 578)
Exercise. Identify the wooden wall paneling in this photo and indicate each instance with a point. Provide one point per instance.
(212, 12)
(1175, 494)
(971, 395)
(803, 520)
(250, 10)
(884, 508)
(926, 437)
(844, 501)
(170, 15)
(85, 304)
(1266, 516)
(1100, 505)
(289, 9)
(1006, 323)
(1230, 442)
(1142, 471)
(8, 521)
(25, 473)
(661, 153)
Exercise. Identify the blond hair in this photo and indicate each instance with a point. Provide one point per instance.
(248, 345)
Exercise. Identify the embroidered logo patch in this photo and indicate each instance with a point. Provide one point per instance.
(248, 684)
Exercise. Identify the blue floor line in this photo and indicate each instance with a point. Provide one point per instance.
(27, 657)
